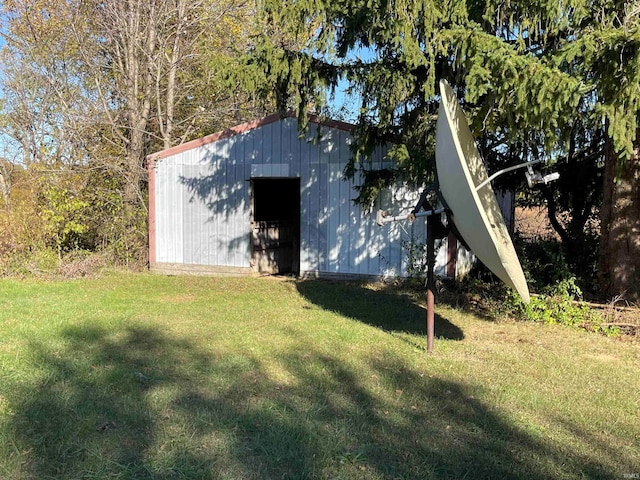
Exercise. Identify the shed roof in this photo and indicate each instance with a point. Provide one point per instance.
(242, 128)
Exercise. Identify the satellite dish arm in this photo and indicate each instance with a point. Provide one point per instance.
(422, 209)
(421, 202)
(532, 178)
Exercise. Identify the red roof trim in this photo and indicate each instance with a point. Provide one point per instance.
(243, 128)
(337, 124)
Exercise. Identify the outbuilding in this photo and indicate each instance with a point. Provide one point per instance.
(263, 198)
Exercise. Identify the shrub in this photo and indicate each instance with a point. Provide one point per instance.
(559, 304)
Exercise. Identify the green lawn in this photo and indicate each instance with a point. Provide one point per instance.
(139, 376)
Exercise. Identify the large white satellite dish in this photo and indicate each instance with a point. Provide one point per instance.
(464, 185)
(471, 204)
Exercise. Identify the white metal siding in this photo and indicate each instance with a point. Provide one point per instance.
(202, 203)
(169, 241)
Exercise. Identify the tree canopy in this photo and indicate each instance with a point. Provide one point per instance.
(537, 79)
(89, 88)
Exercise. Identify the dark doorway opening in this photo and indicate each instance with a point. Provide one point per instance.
(275, 225)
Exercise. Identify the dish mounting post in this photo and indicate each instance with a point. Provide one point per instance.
(430, 287)
(435, 229)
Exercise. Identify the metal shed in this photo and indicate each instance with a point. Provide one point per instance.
(261, 198)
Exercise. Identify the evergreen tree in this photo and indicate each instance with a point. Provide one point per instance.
(537, 79)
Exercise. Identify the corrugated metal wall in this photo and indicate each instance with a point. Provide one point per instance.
(202, 211)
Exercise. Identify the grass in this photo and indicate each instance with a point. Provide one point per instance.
(138, 376)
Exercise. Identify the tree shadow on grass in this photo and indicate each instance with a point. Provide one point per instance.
(388, 311)
(89, 416)
(138, 404)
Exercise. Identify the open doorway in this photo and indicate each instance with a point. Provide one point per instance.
(275, 225)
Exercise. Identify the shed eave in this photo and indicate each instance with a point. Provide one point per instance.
(243, 128)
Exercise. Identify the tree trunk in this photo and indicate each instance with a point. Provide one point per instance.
(133, 27)
(5, 191)
(620, 230)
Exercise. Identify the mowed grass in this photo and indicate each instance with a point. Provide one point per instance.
(139, 376)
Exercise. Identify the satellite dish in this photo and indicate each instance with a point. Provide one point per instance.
(467, 191)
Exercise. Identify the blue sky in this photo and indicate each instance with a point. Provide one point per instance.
(348, 105)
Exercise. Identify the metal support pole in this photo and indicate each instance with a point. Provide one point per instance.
(431, 260)
(383, 217)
